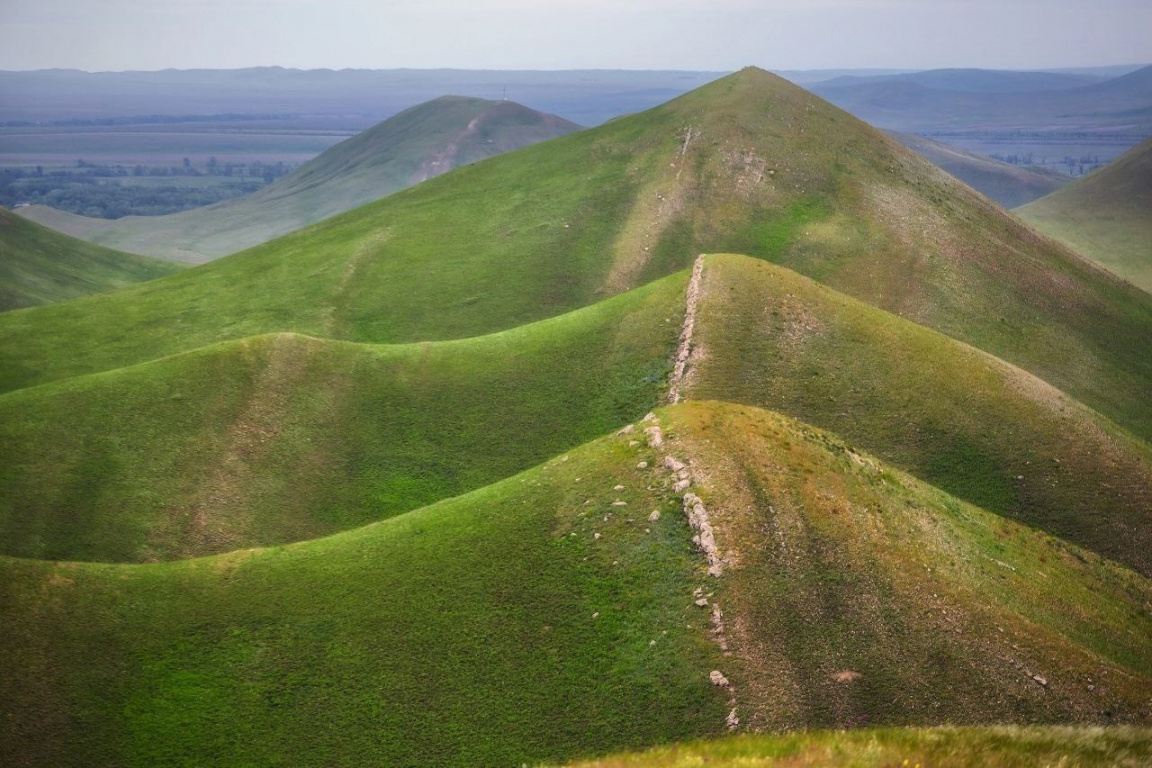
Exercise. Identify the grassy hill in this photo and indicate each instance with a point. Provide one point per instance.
(747, 164)
(997, 747)
(537, 619)
(281, 438)
(417, 144)
(39, 266)
(1009, 185)
(1106, 215)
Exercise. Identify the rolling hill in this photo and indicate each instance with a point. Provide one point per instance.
(537, 619)
(1009, 185)
(39, 266)
(748, 164)
(417, 144)
(1106, 215)
(282, 438)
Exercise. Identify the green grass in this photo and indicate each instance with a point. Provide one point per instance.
(421, 142)
(771, 171)
(959, 418)
(39, 266)
(996, 747)
(464, 633)
(282, 438)
(1106, 215)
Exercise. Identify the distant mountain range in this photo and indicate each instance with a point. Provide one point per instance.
(967, 101)
(587, 97)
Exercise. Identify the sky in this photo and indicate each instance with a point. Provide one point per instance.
(715, 35)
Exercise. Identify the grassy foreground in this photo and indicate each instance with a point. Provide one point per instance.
(39, 266)
(995, 747)
(962, 420)
(540, 619)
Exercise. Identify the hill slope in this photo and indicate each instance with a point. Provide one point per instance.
(537, 619)
(749, 164)
(1009, 185)
(39, 266)
(417, 144)
(1106, 215)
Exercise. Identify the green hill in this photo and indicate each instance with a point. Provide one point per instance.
(39, 266)
(417, 144)
(1106, 215)
(281, 438)
(1009, 185)
(997, 747)
(537, 619)
(748, 164)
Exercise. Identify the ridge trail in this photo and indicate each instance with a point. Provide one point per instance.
(685, 348)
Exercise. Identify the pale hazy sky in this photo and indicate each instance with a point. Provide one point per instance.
(566, 34)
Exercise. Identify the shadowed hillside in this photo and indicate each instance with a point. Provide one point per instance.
(39, 266)
(417, 144)
(1106, 215)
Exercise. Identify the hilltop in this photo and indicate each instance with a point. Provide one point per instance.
(1106, 215)
(417, 144)
(554, 615)
(1009, 185)
(39, 266)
